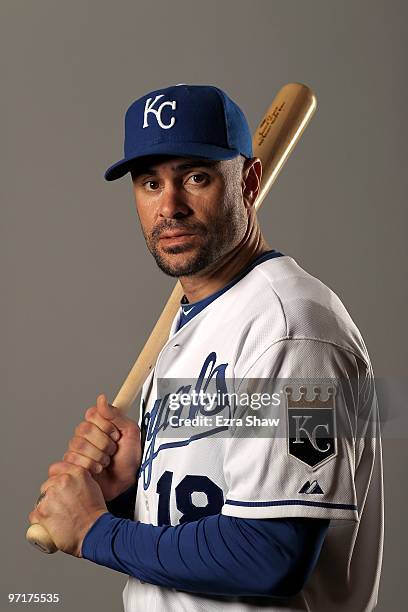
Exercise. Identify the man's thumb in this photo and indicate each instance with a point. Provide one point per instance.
(109, 412)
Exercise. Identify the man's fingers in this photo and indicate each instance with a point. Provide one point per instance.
(104, 409)
(81, 446)
(61, 473)
(61, 476)
(95, 467)
(59, 467)
(110, 413)
(62, 467)
(111, 420)
(92, 415)
(93, 434)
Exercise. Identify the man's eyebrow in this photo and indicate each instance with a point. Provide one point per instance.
(199, 163)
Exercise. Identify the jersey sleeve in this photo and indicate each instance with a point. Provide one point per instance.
(301, 460)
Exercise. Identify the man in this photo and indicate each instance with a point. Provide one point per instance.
(233, 514)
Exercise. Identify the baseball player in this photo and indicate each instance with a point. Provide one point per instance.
(220, 503)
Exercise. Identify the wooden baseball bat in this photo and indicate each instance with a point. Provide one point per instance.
(273, 141)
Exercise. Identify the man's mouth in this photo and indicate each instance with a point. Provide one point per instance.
(176, 238)
(176, 234)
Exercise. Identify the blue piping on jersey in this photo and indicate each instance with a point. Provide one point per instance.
(290, 502)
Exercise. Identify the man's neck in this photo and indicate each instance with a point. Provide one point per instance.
(200, 286)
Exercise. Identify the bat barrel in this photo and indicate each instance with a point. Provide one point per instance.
(280, 129)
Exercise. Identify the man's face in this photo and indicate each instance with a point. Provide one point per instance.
(200, 200)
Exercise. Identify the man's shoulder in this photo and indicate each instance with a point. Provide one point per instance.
(305, 306)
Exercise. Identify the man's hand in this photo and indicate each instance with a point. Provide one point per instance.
(107, 444)
(72, 503)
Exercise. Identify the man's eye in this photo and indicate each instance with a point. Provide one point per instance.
(197, 179)
(151, 185)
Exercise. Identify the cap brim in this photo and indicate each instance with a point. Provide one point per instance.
(189, 149)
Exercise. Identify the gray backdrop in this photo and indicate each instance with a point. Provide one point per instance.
(80, 292)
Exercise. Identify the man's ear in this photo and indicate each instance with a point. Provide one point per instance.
(251, 180)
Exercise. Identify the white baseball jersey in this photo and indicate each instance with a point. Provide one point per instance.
(277, 323)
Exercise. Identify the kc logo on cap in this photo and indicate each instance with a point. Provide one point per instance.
(149, 108)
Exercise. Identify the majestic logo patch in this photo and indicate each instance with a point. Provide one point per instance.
(311, 426)
(311, 487)
(149, 108)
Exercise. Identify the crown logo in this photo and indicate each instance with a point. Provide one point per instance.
(315, 402)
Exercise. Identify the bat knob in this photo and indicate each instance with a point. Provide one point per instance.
(41, 539)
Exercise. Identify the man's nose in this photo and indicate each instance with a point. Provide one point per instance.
(173, 202)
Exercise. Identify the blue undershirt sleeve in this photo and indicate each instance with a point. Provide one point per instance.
(219, 555)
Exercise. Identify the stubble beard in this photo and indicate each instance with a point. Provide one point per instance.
(220, 237)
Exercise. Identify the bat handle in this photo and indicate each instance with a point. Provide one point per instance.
(41, 539)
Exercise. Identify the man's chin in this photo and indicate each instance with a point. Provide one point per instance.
(179, 262)
(177, 270)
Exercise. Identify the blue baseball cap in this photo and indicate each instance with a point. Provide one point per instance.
(186, 121)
